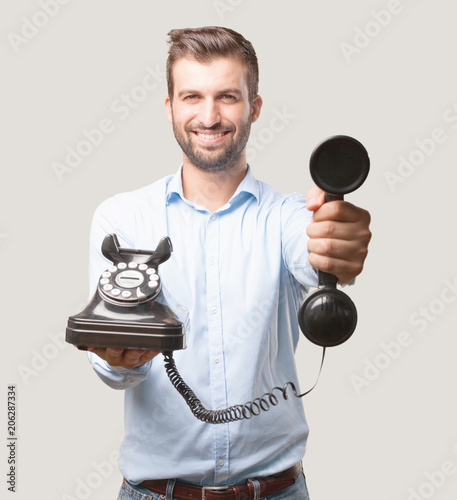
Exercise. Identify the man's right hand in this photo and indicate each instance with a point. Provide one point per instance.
(126, 358)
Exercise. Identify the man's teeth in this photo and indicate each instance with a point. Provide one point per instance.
(210, 136)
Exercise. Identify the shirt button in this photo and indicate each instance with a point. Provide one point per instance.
(212, 261)
(221, 462)
(214, 310)
(216, 359)
(213, 217)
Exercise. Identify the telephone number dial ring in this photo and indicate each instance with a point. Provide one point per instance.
(129, 283)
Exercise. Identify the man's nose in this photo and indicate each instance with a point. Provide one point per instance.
(210, 113)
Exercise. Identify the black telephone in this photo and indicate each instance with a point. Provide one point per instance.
(327, 316)
(131, 309)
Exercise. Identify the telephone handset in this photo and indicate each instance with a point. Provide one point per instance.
(338, 165)
(130, 309)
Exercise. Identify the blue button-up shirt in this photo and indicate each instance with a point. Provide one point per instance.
(241, 273)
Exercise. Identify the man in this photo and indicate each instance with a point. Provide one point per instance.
(243, 257)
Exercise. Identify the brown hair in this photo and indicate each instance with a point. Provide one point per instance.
(208, 43)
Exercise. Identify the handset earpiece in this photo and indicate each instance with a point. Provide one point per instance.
(338, 165)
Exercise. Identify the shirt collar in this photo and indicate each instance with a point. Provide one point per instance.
(174, 186)
(247, 185)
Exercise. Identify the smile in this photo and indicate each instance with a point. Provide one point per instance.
(212, 137)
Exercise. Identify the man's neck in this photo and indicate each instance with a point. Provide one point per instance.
(211, 190)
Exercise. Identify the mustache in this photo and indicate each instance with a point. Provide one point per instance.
(217, 127)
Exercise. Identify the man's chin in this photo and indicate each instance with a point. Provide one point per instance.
(213, 158)
(211, 166)
(212, 163)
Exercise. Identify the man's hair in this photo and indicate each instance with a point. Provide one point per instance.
(209, 43)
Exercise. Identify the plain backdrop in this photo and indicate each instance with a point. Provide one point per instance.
(383, 416)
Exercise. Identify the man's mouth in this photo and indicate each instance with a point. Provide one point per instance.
(211, 137)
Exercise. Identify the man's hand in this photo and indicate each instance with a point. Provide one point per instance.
(127, 358)
(339, 236)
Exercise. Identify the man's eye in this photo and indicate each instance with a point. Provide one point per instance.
(229, 97)
(191, 97)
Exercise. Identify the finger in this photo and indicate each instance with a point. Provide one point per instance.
(344, 270)
(131, 357)
(342, 258)
(332, 230)
(148, 356)
(133, 354)
(342, 211)
(315, 198)
(138, 357)
(357, 230)
(114, 356)
(114, 351)
(334, 248)
(359, 234)
(99, 351)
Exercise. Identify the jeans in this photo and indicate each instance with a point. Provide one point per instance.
(297, 491)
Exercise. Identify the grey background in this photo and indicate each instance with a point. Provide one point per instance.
(384, 440)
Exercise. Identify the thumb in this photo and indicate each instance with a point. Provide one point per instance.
(315, 198)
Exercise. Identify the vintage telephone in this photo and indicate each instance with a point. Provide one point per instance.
(131, 308)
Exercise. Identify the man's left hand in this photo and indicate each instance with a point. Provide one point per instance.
(338, 236)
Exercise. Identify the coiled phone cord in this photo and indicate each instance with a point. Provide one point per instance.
(232, 413)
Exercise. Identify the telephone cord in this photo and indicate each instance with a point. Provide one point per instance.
(235, 412)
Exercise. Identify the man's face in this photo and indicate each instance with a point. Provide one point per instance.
(211, 113)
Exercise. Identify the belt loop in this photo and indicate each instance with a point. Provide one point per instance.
(236, 490)
(170, 488)
(256, 486)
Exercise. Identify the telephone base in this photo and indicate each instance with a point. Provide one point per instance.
(157, 337)
(150, 325)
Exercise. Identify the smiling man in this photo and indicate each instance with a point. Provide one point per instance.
(211, 109)
(244, 255)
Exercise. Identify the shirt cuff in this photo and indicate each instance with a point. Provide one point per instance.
(138, 369)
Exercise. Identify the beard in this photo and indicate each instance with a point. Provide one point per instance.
(215, 158)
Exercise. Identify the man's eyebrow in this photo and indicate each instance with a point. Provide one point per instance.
(187, 92)
(231, 91)
(220, 92)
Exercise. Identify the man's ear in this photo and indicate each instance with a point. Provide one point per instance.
(168, 109)
(256, 107)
